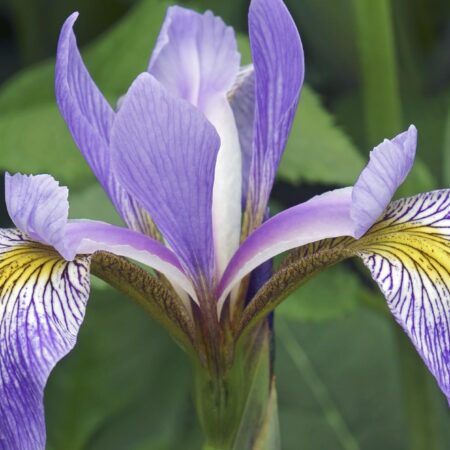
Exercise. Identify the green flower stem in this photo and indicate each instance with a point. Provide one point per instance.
(419, 392)
(238, 410)
(383, 117)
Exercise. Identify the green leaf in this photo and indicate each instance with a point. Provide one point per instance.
(35, 140)
(125, 385)
(93, 203)
(317, 150)
(330, 295)
(114, 60)
(33, 136)
(338, 385)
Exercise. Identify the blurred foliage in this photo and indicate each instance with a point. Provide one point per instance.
(126, 385)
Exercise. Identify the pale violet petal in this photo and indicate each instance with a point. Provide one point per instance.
(196, 58)
(390, 162)
(164, 153)
(88, 237)
(324, 216)
(38, 206)
(242, 102)
(89, 118)
(278, 61)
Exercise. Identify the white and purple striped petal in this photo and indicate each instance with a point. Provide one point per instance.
(42, 305)
(408, 254)
(196, 58)
(277, 54)
(89, 118)
(390, 163)
(164, 153)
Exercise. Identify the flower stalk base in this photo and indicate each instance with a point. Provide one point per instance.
(237, 410)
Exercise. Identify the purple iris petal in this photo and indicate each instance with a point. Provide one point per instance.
(324, 216)
(42, 305)
(279, 69)
(196, 58)
(390, 162)
(38, 206)
(164, 153)
(89, 118)
(242, 101)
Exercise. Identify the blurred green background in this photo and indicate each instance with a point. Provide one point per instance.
(346, 377)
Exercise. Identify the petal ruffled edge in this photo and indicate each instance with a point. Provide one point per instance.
(164, 154)
(38, 206)
(390, 162)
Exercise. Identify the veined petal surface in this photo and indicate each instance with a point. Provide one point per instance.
(195, 56)
(164, 153)
(242, 101)
(196, 59)
(42, 305)
(38, 206)
(85, 237)
(324, 216)
(408, 254)
(89, 118)
(390, 162)
(279, 70)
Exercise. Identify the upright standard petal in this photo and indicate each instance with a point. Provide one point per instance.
(196, 58)
(164, 153)
(322, 217)
(242, 101)
(279, 70)
(390, 163)
(408, 254)
(89, 118)
(42, 305)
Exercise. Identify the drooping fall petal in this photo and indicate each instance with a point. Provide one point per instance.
(42, 305)
(408, 254)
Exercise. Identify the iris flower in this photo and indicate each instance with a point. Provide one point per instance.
(188, 158)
